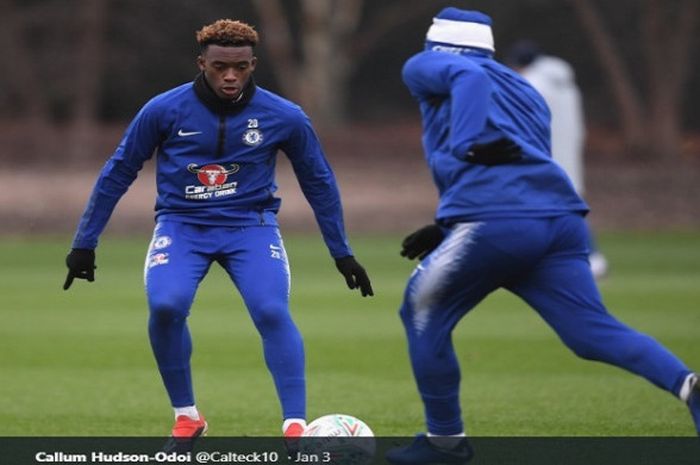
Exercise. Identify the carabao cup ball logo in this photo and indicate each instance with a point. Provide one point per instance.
(339, 439)
(212, 175)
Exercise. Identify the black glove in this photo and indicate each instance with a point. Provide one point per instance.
(81, 265)
(355, 275)
(498, 152)
(422, 242)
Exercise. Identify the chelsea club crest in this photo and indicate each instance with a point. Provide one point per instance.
(252, 137)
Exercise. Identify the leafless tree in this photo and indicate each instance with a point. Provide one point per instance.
(651, 125)
(88, 76)
(21, 74)
(56, 54)
(315, 67)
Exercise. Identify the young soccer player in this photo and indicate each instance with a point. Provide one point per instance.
(215, 142)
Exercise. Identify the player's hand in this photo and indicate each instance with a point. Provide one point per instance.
(81, 265)
(354, 274)
(422, 242)
(498, 152)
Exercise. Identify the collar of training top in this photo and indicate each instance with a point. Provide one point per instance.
(219, 105)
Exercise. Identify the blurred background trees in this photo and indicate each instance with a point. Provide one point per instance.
(315, 56)
(650, 118)
(71, 66)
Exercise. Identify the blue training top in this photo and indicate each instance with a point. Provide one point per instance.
(468, 98)
(217, 167)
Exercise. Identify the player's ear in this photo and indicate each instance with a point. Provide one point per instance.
(253, 63)
(200, 62)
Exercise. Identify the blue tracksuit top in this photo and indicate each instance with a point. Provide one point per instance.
(468, 99)
(215, 168)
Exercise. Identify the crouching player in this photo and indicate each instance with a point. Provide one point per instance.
(216, 141)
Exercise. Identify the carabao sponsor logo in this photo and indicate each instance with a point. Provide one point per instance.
(213, 181)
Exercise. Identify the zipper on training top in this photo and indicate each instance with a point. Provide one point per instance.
(222, 135)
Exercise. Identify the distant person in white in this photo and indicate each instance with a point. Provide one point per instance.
(555, 80)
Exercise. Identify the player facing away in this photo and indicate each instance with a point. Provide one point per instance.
(508, 217)
(215, 142)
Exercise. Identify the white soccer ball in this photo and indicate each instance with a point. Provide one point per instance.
(338, 439)
(338, 425)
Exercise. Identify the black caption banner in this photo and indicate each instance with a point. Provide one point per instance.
(344, 451)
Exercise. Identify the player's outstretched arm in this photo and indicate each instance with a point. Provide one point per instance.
(355, 275)
(81, 265)
(421, 242)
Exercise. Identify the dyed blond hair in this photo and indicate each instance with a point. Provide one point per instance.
(227, 33)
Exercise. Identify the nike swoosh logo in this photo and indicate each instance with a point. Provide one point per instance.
(182, 133)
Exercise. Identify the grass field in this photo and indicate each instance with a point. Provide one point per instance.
(79, 363)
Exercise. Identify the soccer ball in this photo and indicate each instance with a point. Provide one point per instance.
(338, 425)
(338, 439)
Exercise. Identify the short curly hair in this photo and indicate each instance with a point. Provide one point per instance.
(227, 33)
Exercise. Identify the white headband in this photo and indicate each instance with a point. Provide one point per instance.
(462, 33)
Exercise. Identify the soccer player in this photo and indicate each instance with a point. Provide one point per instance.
(508, 217)
(215, 142)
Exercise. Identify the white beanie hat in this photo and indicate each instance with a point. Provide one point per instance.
(462, 28)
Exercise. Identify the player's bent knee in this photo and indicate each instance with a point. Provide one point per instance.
(270, 316)
(169, 307)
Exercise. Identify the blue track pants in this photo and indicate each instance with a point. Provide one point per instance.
(178, 258)
(543, 261)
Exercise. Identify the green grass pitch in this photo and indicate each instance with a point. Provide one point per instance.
(78, 363)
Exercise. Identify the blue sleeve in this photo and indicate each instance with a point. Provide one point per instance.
(438, 75)
(318, 184)
(140, 140)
